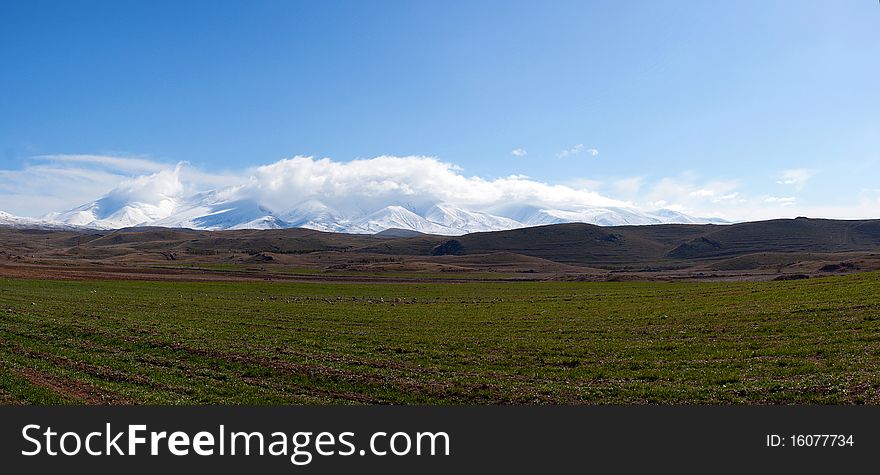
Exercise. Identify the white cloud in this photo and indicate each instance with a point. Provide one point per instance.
(416, 180)
(61, 182)
(795, 177)
(51, 183)
(578, 149)
(124, 164)
(519, 152)
(38, 189)
(158, 186)
(690, 194)
(701, 193)
(687, 192)
(629, 187)
(781, 200)
(584, 184)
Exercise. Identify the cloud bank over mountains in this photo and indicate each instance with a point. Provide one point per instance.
(364, 195)
(361, 196)
(397, 180)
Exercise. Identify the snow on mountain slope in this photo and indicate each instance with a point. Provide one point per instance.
(600, 216)
(13, 221)
(159, 200)
(108, 213)
(677, 217)
(603, 216)
(265, 222)
(465, 221)
(135, 202)
(213, 211)
(536, 216)
(397, 217)
(441, 218)
(313, 214)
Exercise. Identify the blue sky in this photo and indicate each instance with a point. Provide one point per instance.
(745, 109)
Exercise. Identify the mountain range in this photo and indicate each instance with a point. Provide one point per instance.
(221, 210)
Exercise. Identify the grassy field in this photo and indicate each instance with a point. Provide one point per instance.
(262, 271)
(808, 341)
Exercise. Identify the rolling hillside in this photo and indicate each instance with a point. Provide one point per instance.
(570, 244)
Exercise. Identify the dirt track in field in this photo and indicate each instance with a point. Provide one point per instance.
(72, 388)
(92, 272)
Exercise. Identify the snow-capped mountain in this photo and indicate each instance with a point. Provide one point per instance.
(121, 208)
(13, 221)
(363, 196)
(536, 216)
(396, 217)
(222, 209)
(214, 212)
(313, 214)
(603, 216)
(668, 215)
(105, 214)
(468, 221)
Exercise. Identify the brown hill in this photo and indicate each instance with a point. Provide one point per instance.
(805, 244)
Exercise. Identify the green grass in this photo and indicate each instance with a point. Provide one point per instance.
(809, 341)
(207, 266)
(396, 274)
(298, 270)
(310, 271)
